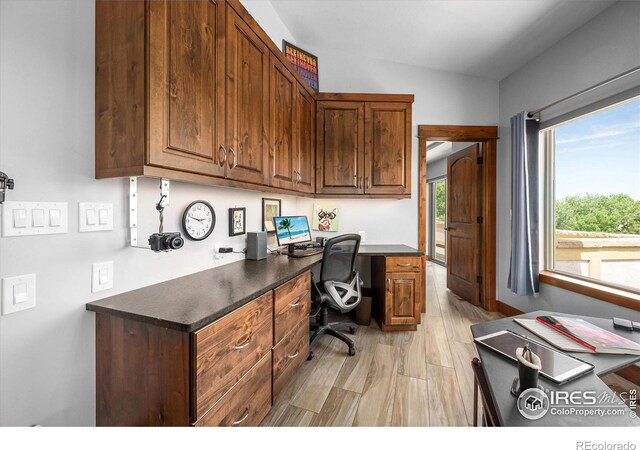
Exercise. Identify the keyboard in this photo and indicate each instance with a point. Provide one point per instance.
(305, 252)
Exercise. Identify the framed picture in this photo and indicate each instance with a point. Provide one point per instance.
(237, 221)
(326, 217)
(271, 207)
(305, 63)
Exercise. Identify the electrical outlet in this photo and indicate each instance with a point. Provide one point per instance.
(363, 236)
(216, 250)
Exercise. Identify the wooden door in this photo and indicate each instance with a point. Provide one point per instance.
(462, 224)
(305, 139)
(247, 95)
(402, 302)
(186, 72)
(387, 148)
(283, 157)
(340, 148)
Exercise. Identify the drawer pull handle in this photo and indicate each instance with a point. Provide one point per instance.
(238, 422)
(405, 265)
(294, 355)
(245, 345)
(296, 304)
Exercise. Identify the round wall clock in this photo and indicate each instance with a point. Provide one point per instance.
(198, 220)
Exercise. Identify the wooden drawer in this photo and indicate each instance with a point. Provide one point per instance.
(403, 263)
(289, 355)
(247, 403)
(292, 304)
(228, 348)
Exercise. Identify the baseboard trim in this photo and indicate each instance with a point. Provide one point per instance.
(507, 310)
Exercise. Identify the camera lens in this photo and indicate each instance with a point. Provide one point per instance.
(176, 242)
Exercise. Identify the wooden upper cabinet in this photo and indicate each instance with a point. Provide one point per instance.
(247, 92)
(186, 69)
(305, 139)
(364, 145)
(340, 147)
(282, 154)
(387, 148)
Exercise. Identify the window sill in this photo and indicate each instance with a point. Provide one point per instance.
(608, 294)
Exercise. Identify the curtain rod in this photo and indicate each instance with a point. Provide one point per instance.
(584, 91)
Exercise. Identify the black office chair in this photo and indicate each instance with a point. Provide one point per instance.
(338, 289)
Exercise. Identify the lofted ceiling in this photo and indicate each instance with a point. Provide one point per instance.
(483, 38)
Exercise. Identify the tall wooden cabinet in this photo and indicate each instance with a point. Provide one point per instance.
(364, 145)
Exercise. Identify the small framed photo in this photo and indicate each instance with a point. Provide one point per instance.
(237, 221)
(271, 207)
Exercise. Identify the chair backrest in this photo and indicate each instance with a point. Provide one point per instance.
(339, 258)
(490, 411)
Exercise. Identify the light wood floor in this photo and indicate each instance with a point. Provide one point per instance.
(420, 378)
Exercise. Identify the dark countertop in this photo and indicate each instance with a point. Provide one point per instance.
(388, 250)
(191, 302)
(500, 373)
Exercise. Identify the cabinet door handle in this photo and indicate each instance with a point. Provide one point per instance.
(368, 183)
(234, 162)
(294, 355)
(245, 345)
(222, 156)
(389, 284)
(356, 181)
(299, 178)
(359, 182)
(239, 421)
(296, 177)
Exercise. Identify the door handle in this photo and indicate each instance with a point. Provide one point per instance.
(222, 156)
(448, 228)
(389, 284)
(233, 163)
(368, 183)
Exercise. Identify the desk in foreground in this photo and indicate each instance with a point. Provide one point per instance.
(218, 346)
(500, 373)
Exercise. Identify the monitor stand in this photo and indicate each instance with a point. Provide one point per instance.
(291, 249)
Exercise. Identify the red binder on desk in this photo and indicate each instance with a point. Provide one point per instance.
(591, 336)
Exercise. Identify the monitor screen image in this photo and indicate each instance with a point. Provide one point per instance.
(292, 229)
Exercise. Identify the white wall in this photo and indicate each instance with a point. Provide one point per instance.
(601, 49)
(47, 145)
(440, 98)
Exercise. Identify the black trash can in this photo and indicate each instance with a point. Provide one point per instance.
(363, 311)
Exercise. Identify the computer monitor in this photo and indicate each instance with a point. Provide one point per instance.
(292, 230)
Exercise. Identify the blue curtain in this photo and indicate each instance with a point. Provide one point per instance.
(523, 270)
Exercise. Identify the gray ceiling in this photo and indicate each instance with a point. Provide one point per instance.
(483, 38)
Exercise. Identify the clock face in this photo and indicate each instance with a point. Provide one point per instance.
(198, 220)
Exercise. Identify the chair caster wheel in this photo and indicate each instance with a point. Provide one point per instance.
(353, 330)
(352, 351)
(311, 356)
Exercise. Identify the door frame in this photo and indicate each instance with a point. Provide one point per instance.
(488, 136)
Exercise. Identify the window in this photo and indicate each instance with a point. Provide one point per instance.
(592, 207)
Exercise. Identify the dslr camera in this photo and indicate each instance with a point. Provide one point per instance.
(165, 242)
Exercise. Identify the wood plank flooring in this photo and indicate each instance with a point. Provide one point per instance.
(420, 378)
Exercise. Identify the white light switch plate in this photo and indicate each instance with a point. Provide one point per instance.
(95, 217)
(29, 218)
(18, 293)
(101, 276)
